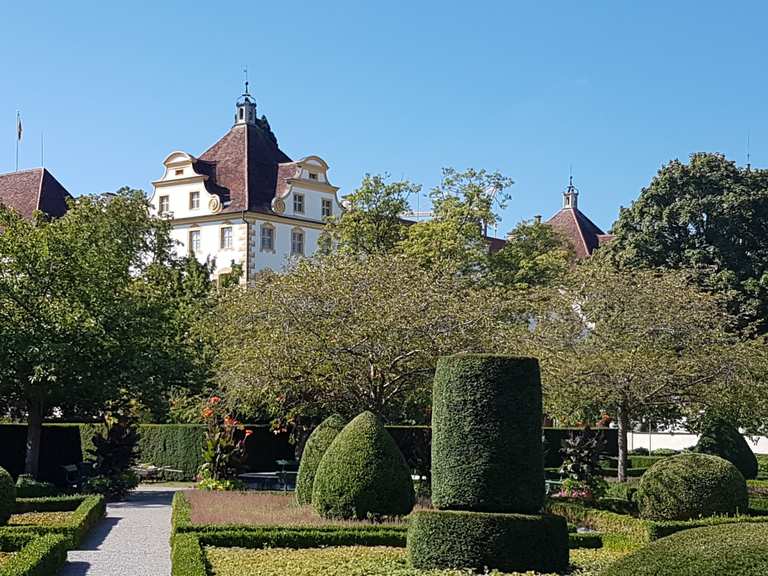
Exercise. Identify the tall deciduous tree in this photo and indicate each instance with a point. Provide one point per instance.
(643, 343)
(711, 217)
(85, 311)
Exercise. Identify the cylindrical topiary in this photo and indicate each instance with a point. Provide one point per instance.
(486, 434)
(7, 496)
(721, 438)
(317, 443)
(363, 474)
(479, 540)
(691, 486)
(737, 549)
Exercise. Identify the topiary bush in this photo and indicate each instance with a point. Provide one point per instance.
(738, 549)
(317, 443)
(486, 434)
(7, 496)
(363, 474)
(691, 486)
(720, 438)
(506, 542)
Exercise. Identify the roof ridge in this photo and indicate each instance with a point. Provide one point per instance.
(40, 189)
(575, 212)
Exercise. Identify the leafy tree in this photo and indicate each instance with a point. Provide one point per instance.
(711, 217)
(87, 311)
(535, 254)
(463, 208)
(643, 343)
(372, 222)
(346, 334)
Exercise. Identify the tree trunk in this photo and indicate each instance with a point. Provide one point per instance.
(623, 419)
(34, 432)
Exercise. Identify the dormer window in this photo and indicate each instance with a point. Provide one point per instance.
(313, 176)
(179, 172)
(298, 203)
(194, 200)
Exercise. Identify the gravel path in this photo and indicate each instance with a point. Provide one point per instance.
(133, 540)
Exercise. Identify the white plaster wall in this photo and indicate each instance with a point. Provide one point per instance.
(759, 444)
(279, 258)
(210, 241)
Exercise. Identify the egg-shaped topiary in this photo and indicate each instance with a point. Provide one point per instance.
(7, 496)
(691, 486)
(738, 549)
(720, 438)
(317, 443)
(363, 474)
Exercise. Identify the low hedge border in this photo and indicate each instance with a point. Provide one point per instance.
(640, 531)
(86, 512)
(585, 540)
(35, 555)
(187, 556)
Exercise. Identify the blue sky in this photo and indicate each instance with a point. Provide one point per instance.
(613, 88)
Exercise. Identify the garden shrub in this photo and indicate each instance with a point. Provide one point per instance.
(486, 434)
(691, 486)
(7, 496)
(639, 452)
(720, 438)
(28, 487)
(762, 466)
(34, 555)
(738, 549)
(363, 474)
(317, 443)
(664, 452)
(507, 542)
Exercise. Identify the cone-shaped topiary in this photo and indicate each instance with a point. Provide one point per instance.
(721, 438)
(7, 496)
(317, 443)
(691, 486)
(363, 474)
(486, 434)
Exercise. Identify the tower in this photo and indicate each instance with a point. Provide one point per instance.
(245, 108)
(571, 195)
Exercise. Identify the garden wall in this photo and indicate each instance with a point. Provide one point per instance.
(680, 441)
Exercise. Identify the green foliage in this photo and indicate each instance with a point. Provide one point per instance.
(486, 434)
(35, 555)
(224, 456)
(712, 551)
(7, 496)
(114, 453)
(316, 446)
(691, 486)
(363, 474)
(720, 438)
(581, 464)
(28, 487)
(507, 542)
(178, 446)
(585, 540)
(762, 466)
(187, 557)
(664, 452)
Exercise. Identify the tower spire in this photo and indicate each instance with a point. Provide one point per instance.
(245, 109)
(571, 194)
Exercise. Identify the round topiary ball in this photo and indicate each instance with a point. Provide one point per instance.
(721, 438)
(486, 434)
(738, 549)
(7, 496)
(317, 443)
(691, 486)
(363, 474)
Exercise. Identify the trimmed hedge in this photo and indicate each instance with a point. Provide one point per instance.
(317, 443)
(740, 549)
(35, 555)
(486, 434)
(720, 438)
(187, 556)
(507, 542)
(7, 496)
(363, 473)
(585, 540)
(86, 513)
(691, 486)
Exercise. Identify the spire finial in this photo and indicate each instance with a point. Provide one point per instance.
(749, 156)
(245, 74)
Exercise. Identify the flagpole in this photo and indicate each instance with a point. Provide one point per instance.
(18, 119)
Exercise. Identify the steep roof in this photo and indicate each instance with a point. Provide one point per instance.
(584, 235)
(243, 167)
(29, 190)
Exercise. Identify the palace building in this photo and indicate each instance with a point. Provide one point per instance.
(30, 191)
(243, 200)
(584, 235)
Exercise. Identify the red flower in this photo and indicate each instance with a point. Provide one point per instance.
(229, 421)
(248, 433)
(214, 400)
(207, 413)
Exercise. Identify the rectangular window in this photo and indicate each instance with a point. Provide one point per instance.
(267, 239)
(226, 238)
(312, 176)
(297, 243)
(194, 241)
(179, 172)
(164, 205)
(194, 200)
(298, 203)
(327, 208)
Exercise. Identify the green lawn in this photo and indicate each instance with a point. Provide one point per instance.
(357, 561)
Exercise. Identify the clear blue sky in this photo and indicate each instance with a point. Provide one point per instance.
(615, 88)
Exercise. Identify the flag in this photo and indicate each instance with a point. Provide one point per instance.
(19, 129)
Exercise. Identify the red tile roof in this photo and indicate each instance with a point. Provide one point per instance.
(29, 190)
(243, 167)
(584, 235)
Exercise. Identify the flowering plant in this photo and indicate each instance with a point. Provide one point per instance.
(223, 456)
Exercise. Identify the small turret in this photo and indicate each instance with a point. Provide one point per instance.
(245, 109)
(571, 195)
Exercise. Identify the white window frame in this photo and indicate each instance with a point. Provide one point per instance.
(299, 202)
(326, 207)
(262, 229)
(294, 233)
(313, 176)
(164, 199)
(194, 200)
(226, 237)
(194, 238)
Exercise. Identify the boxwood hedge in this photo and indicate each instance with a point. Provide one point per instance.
(486, 434)
(720, 438)
(7, 496)
(34, 555)
(317, 443)
(507, 542)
